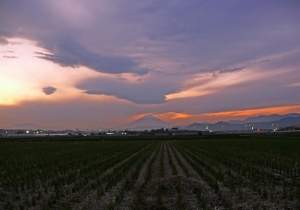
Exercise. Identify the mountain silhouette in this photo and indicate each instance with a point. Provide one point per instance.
(147, 122)
(264, 118)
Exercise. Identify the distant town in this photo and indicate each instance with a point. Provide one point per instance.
(82, 133)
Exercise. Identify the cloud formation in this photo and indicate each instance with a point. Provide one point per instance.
(72, 54)
(49, 90)
(151, 90)
(159, 56)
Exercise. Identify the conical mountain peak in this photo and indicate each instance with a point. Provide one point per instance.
(147, 122)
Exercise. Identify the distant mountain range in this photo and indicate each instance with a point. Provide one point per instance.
(264, 118)
(253, 123)
(265, 122)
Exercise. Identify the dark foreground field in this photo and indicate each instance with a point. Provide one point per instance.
(224, 173)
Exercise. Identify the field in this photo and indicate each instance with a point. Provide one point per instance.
(204, 173)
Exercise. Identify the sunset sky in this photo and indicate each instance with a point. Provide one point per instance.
(106, 63)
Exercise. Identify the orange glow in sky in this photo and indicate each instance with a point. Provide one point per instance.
(241, 114)
(24, 78)
(207, 83)
(181, 117)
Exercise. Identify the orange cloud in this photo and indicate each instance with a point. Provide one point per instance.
(207, 83)
(173, 115)
(238, 114)
(184, 118)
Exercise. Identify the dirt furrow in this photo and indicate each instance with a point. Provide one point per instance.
(88, 199)
(168, 199)
(206, 190)
(155, 174)
(130, 195)
(173, 192)
(245, 198)
(167, 167)
(178, 168)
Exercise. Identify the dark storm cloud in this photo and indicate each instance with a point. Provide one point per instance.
(49, 90)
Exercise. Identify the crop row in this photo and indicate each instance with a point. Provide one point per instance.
(79, 169)
(181, 174)
(236, 173)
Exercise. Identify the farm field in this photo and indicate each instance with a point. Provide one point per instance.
(225, 173)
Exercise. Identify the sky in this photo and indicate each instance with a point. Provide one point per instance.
(87, 64)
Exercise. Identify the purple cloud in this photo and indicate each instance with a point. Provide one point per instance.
(72, 54)
(49, 90)
(141, 92)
